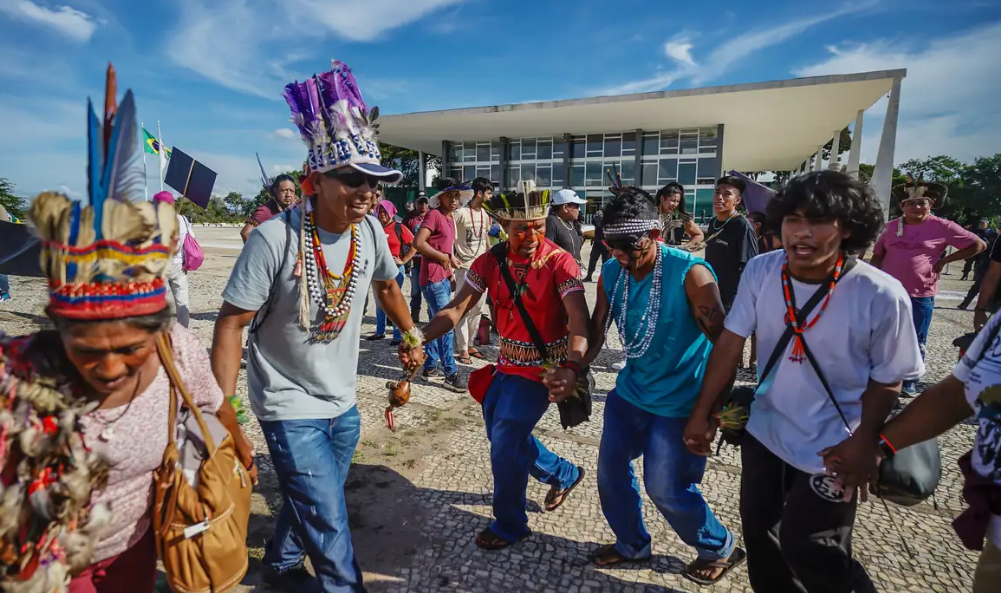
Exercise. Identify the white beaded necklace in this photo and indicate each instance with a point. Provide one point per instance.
(637, 347)
(316, 291)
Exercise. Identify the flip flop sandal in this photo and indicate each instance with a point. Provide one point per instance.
(490, 541)
(737, 557)
(477, 354)
(464, 360)
(556, 497)
(607, 556)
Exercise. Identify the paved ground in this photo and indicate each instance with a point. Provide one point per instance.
(418, 496)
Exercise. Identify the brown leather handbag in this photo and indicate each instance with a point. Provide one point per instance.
(202, 499)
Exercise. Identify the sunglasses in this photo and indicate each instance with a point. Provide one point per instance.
(630, 244)
(352, 178)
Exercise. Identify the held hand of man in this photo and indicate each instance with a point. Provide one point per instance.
(979, 319)
(699, 435)
(939, 266)
(411, 359)
(561, 383)
(853, 464)
(245, 453)
(398, 261)
(454, 261)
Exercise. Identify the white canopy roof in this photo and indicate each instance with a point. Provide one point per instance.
(768, 126)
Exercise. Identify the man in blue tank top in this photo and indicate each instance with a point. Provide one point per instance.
(667, 308)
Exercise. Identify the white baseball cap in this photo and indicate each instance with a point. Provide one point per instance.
(567, 196)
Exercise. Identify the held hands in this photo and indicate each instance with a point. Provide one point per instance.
(411, 358)
(700, 431)
(854, 465)
(561, 383)
(245, 453)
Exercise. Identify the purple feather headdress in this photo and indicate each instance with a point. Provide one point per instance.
(333, 120)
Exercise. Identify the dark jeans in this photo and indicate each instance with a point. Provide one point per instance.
(415, 290)
(978, 278)
(597, 250)
(4, 284)
(797, 541)
(442, 349)
(380, 315)
(311, 459)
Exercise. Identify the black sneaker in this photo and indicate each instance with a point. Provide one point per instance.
(395, 342)
(376, 337)
(963, 306)
(456, 383)
(290, 579)
(428, 373)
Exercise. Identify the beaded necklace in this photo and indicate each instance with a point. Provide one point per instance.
(798, 352)
(639, 344)
(472, 224)
(334, 293)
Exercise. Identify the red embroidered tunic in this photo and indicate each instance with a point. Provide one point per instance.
(545, 282)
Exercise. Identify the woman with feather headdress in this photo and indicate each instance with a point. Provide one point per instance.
(84, 420)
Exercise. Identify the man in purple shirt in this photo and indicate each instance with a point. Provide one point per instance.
(911, 248)
(435, 241)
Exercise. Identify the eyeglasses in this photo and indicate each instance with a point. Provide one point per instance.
(352, 178)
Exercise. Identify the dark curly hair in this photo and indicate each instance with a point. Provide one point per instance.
(630, 203)
(830, 195)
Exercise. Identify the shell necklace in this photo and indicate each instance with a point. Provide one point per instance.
(637, 346)
(333, 293)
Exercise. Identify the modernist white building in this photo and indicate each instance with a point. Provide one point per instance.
(690, 136)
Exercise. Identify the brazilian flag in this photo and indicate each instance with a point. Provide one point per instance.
(151, 145)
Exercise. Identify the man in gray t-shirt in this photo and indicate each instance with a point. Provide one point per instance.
(303, 359)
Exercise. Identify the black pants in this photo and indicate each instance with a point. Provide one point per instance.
(597, 249)
(970, 262)
(978, 278)
(797, 541)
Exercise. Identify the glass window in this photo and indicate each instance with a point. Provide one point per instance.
(651, 143)
(495, 148)
(513, 177)
(628, 171)
(577, 148)
(629, 144)
(495, 174)
(483, 171)
(558, 176)
(545, 174)
(686, 173)
(456, 173)
(469, 153)
(514, 151)
(708, 139)
(707, 167)
(593, 174)
(528, 149)
(668, 171)
(468, 172)
(689, 144)
(703, 199)
(483, 153)
(649, 174)
(577, 175)
(613, 146)
(594, 144)
(559, 149)
(456, 153)
(527, 171)
(669, 142)
(545, 150)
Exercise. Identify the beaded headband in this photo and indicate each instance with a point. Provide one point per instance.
(630, 226)
(106, 258)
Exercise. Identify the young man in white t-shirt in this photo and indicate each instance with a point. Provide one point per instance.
(472, 223)
(803, 456)
(177, 278)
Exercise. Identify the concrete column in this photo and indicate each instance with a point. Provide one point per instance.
(832, 163)
(568, 139)
(503, 164)
(445, 146)
(422, 166)
(720, 136)
(855, 155)
(638, 160)
(882, 175)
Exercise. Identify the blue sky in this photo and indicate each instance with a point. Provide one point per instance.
(212, 71)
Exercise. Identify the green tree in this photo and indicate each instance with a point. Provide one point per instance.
(12, 203)
(981, 191)
(844, 143)
(408, 162)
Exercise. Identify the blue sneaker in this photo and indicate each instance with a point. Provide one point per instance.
(4, 296)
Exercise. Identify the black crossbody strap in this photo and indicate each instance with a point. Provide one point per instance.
(801, 315)
(533, 331)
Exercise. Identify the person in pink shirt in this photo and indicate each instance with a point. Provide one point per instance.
(911, 250)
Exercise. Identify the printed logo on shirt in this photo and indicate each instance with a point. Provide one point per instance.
(823, 486)
(719, 241)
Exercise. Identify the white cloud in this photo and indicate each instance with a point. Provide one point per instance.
(947, 104)
(77, 25)
(283, 133)
(251, 46)
(727, 55)
(283, 168)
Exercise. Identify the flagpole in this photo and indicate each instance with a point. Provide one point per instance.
(145, 186)
(159, 136)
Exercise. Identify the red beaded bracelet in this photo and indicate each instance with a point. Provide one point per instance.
(888, 444)
(573, 366)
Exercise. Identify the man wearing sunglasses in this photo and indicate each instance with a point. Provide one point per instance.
(306, 307)
(562, 226)
(667, 308)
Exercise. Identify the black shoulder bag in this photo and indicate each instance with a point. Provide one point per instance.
(743, 396)
(573, 410)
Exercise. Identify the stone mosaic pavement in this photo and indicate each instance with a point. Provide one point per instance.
(431, 483)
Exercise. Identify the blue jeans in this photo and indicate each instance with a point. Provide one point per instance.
(511, 409)
(415, 289)
(921, 310)
(438, 295)
(4, 284)
(311, 459)
(670, 473)
(380, 315)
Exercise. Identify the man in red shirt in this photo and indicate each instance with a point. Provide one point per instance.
(400, 241)
(548, 282)
(435, 241)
